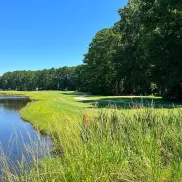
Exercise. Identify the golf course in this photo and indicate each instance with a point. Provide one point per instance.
(91, 91)
(102, 138)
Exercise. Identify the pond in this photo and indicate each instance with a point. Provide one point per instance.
(17, 137)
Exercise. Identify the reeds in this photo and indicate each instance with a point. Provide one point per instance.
(114, 145)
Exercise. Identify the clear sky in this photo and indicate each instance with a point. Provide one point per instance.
(38, 34)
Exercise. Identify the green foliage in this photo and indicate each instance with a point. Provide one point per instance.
(52, 79)
(100, 73)
(141, 54)
(143, 49)
(139, 144)
(143, 145)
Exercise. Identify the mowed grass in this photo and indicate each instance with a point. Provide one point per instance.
(109, 144)
(54, 112)
(50, 108)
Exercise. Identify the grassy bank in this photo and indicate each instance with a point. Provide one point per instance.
(51, 108)
(140, 144)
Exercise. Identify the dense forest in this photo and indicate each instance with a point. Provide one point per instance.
(141, 54)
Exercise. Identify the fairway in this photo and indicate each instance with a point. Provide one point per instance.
(91, 136)
(91, 91)
(52, 108)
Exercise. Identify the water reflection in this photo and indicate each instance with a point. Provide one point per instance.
(15, 103)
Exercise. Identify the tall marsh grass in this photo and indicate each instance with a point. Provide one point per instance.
(22, 153)
(144, 144)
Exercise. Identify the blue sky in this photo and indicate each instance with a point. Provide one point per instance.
(38, 34)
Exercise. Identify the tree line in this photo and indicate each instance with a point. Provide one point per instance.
(141, 54)
(47, 79)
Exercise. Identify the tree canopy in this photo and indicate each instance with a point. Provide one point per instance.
(140, 54)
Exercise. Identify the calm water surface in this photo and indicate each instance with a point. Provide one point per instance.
(15, 133)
